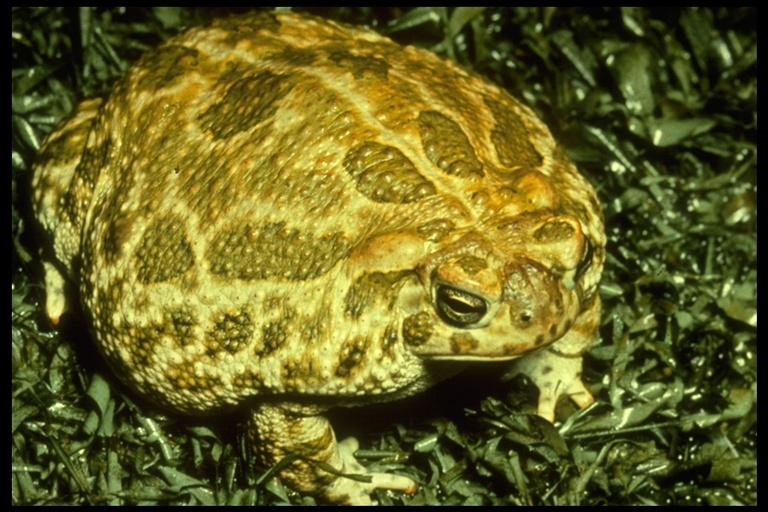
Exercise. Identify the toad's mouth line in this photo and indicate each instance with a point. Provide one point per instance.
(472, 358)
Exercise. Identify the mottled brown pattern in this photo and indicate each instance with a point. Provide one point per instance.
(164, 252)
(350, 355)
(183, 323)
(360, 67)
(372, 290)
(555, 231)
(313, 328)
(435, 230)
(463, 342)
(390, 337)
(446, 145)
(472, 264)
(274, 251)
(231, 332)
(299, 58)
(385, 175)
(247, 381)
(274, 335)
(143, 348)
(513, 138)
(533, 191)
(175, 60)
(84, 180)
(54, 156)
(118, 234)
(249, 99)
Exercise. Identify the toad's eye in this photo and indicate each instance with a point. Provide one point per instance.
(586, 260)
(459, 308)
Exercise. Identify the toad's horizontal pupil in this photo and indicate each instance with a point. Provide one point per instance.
(461, 302)
(458, 307)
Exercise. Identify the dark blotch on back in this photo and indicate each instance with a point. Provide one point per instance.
(375, 290)
(166, 64)
(246, 100)
(385, 175)
(447, 146)
(231, 332)
(360, 66)
(512, 138)
(436, 230)
(164, 252)
(350, 355)
(274, 251)
(183, 324)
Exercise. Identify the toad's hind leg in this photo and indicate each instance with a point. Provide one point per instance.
(281, 430)
(59, 201)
